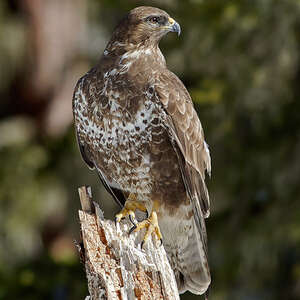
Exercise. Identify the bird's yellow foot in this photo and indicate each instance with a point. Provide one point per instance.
(151, 225)
(129, 208)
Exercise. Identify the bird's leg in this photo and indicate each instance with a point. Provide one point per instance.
(151, 225)
(129, 208)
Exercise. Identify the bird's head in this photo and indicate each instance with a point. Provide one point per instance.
(145, 24)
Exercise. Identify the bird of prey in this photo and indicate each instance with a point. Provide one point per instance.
(137, 127)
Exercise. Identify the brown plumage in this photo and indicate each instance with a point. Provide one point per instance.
(137, 126)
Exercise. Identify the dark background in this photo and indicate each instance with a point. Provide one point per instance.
(240, 62)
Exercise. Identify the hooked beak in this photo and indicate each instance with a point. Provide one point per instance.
(174, 26)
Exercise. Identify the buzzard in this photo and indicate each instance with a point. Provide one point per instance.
(137, 127)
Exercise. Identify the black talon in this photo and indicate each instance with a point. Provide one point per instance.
(142, 244)
(116, 221)
(161, 242)
(132, 229)
(131, 220)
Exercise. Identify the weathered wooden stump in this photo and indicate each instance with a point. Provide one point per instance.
(116, 266)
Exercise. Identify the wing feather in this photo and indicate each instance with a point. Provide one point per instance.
(187, 133)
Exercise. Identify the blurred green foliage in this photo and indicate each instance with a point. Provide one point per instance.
(240, 62)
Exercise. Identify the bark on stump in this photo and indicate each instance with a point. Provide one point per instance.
(116, 266)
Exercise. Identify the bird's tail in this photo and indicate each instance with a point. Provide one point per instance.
(192, 271)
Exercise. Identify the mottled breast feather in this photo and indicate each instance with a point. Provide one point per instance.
(121, 127)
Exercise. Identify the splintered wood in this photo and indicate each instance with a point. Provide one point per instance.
(116, 266)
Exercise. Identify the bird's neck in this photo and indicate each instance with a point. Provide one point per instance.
(124, 51)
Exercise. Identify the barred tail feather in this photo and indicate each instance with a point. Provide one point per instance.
(186, 249)
(193, 275)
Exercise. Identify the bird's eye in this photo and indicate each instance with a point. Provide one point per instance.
(153, 19)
